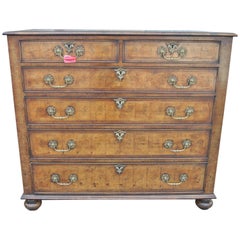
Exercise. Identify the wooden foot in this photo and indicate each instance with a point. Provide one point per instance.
(204, 204)
(32, 204)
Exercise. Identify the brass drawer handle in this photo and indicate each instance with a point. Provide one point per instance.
(120, 73)
(55, 178)
(191, 80)
(172, 51)
(69, 49)
(168, 144)
(49, 80)
(170, 111)
(53, 144)
(119, 102)
(119, 134)
(51, 111)
(119, 168)
(165, 177)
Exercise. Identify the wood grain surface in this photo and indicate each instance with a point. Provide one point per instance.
(103, 178)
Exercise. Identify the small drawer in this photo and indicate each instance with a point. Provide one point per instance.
(179, 51)
(119, 110)
(110, 178)
(71, 51)
(118, 143)
(119, 79)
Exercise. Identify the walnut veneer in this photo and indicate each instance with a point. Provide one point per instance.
(119, 114)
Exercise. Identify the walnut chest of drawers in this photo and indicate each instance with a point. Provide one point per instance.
(119, 114)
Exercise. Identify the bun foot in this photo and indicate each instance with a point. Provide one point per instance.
(204, 204)
(32, 204)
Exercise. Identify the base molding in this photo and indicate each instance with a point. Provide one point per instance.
(34, 201)
(116, 196)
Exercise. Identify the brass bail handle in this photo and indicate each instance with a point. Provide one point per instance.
(53, 144)
(171, 111)
(165, 177)
(172, 51)
(168, 144)
(191, 80)
(51, 111)
(69, 48)
(55, 178)
(49, 80)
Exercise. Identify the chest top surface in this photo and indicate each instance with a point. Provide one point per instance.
(116, 32)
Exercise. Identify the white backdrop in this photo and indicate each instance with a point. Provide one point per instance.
(108, 220)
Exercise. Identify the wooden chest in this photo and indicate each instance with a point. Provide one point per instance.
(119, 114)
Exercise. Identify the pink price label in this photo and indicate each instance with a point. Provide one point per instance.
(69, 59)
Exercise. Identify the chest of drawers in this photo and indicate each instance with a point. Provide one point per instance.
(119, 114)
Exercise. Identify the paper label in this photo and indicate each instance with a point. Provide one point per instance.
(69, 59)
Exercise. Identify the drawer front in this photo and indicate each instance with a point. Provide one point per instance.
(102, 143)
(133, 79)
(56, 51)
(119, 110)
(169, 51)
(81, 178)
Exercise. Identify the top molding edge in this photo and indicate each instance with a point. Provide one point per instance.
(79, 32)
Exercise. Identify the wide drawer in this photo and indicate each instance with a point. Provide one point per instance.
(113, 79)
(59, 50)
(119, 110)
(86, 178)
(118, 142)
(171, 51)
